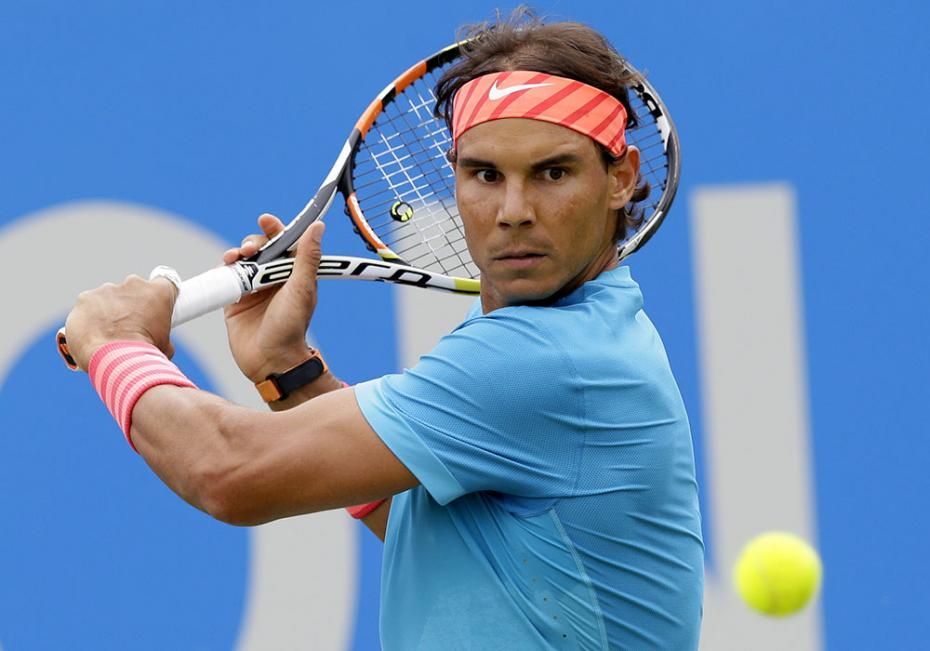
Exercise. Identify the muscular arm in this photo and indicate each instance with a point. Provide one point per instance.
(376, 521)
(258, 329)
(246, 467)
(239, 465)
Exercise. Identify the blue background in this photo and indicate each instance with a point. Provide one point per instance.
(219, 111)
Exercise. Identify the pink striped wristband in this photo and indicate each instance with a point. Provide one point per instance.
(121, 371)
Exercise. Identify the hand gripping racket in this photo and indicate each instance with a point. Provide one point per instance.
(399, 193)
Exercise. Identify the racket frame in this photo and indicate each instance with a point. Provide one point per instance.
(221, 286)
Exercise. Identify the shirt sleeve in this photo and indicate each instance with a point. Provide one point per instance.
(494, 407)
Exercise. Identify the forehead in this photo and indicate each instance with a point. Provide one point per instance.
(522, 138)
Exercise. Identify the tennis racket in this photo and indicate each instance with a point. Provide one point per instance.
(399, 193)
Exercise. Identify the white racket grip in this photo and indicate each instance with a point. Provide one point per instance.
(207, 292)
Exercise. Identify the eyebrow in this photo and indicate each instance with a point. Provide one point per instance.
(558, 159)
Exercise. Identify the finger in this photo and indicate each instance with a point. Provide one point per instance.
(270, 225)
(253, 240)
(251, 244)
(302, 282)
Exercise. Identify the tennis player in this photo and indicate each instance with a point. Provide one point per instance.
(533, 476)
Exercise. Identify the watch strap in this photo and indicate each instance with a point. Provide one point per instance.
(279, 386)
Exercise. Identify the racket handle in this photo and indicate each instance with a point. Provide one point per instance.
(197, 296)
(209, 291)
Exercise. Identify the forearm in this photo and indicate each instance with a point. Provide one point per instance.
(239, 465)
(376, 521)
(181, 435)
(236, 464)
(248, 467)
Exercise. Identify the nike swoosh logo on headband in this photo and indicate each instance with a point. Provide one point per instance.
(496, 93)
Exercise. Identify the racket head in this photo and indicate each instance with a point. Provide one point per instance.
(409, 214)
(654, 134)
(399, 184)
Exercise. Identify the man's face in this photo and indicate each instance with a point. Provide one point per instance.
(539, 208)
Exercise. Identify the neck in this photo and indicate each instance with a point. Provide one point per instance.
(604, 261)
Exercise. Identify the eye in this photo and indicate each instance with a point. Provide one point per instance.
(555, 173)
(487, 176)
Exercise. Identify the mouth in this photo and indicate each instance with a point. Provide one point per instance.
(519, 259)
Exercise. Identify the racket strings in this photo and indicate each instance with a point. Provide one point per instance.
(453, 251)
(394, 162)
(430, 161)
(438, 228)
(654, 163)
(406, 186)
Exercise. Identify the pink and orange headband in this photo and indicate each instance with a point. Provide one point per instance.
(538, 96)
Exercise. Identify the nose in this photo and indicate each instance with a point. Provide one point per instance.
(516, 208)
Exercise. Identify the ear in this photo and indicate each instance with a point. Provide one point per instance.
(622, 178)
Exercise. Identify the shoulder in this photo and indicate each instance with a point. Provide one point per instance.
(505, 363)
(509, 340)
(494, 402)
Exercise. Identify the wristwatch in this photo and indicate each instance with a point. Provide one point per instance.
(279, 386)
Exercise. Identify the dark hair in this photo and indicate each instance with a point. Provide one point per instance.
(522, 41)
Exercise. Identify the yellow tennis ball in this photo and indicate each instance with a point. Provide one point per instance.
(777, 573)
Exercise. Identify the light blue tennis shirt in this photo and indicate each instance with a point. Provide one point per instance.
(558, 504)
